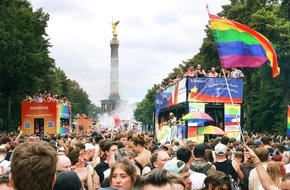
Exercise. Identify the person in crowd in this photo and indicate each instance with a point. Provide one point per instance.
(217, 181)
(199, 163)
(179, 167)
(109, 148)
(229, 167)
(4, 164)
(129, 139)
(273, 169)
(173, 125)
(285, 161)
(213, 73)
(121, 137)
(279, 153)
(74, 155)
(225, 140)
(177, 182)
(33, 166)
(149, 144)
(4, 171)
(264, 177)
(143, 155)
(155, 180)
(254, 182)
(239, 157)
(266, 143)
(199, 73)
(123, 175)
(159, 158)
(176, 146)
(88, 154)
(63, 163)
(68, 180)
(208, 156)
(246, 168)
(82, 148)
(85, 173)
(258, 143)
(184, 154)
(236, 73)
(225, 72)
(190, 71)
(120, 155)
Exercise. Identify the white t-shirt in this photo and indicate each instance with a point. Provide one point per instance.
(4, 167)
(197, 180)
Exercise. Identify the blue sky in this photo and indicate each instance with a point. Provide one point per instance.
(155, 36)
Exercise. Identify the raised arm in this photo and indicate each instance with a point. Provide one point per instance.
(264, 177)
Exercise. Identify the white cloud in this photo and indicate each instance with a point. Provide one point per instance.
(155, 36)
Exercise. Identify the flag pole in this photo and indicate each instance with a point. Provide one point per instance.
(207, 8)
(240, 129)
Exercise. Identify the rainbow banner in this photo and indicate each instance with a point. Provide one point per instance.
(215, 90)
(194, 126)
(63, 126)
(232, 120)
(288, 123)
(240, 46)
(172, 95)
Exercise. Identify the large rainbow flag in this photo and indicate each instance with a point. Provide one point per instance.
(240, 46)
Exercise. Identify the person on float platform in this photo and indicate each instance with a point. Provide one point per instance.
(213, 73)
(236, 73)
(173, 124)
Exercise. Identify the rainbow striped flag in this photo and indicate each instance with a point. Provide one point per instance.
(288, 122)
(240, 46)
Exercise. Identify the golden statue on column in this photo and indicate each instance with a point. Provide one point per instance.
(114, 27)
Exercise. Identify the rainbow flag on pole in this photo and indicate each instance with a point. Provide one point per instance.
(288, 123)
(240, 46)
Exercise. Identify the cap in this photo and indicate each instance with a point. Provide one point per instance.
(89, 146)
(257, 142)
(67, 180)
(220, 149)
(199, 150)
(172, 166)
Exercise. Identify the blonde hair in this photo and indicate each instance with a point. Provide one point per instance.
(273, 169)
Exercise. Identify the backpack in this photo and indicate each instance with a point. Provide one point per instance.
(200, 169)
(234, 184)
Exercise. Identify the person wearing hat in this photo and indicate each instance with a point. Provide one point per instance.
(88, 153)
(200, 162)
(258, 143)
(179, 167)
(67, 180)
(229, 167)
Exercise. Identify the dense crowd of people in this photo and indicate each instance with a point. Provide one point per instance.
(137, 161)
(46, 97)
(199, 72)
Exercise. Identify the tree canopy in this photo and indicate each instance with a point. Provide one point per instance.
(25, 65)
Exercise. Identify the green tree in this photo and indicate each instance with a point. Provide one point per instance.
(24, 52)
(25, 65)
(145, 109)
